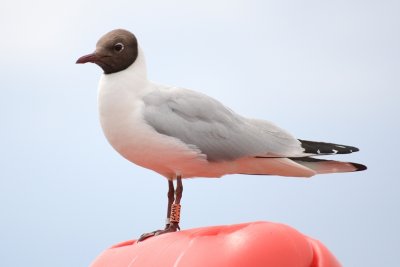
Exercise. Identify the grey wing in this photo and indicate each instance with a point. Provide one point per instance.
(215, 130)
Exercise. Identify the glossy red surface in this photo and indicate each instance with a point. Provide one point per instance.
(255, 244)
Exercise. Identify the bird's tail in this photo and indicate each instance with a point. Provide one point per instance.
(303, 166)
(321, 166)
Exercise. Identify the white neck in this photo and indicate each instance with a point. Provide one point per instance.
(139, 66)
(133, 77)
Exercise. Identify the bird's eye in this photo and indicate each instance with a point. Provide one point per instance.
(119, 47)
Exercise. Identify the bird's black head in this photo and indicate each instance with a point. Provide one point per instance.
(115, 51)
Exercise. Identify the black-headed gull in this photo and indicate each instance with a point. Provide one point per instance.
(181, 133)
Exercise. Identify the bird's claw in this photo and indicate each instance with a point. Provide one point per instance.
(170, 228)
(147, 235)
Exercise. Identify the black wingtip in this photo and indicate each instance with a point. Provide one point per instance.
(359, 167)
(322, 148)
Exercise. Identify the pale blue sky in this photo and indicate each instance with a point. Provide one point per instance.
(324, 70)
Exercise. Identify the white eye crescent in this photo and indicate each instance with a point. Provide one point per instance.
(119, 47)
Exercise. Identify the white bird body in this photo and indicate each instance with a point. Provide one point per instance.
(121, 108)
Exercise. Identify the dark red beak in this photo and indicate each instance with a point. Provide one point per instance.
(88, 58)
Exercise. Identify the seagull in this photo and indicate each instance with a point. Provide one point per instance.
(180, 133)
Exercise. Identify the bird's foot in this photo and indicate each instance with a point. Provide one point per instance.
(169, 228)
